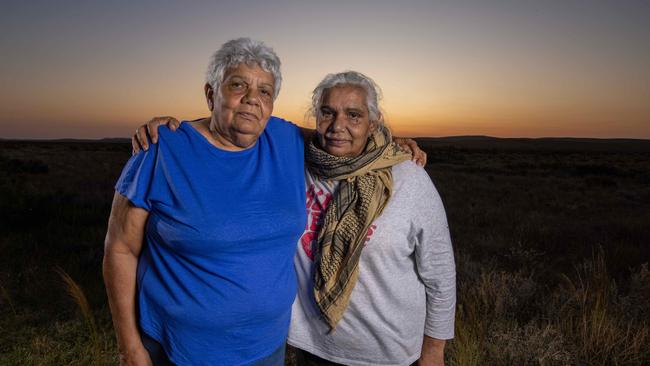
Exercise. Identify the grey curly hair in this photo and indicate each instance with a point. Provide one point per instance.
(239, 51)
(355, 78)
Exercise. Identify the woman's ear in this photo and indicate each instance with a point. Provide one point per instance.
(373, 127)
(209, 96)
(374, 124)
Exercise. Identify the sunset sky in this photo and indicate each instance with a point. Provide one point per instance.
(511, 68)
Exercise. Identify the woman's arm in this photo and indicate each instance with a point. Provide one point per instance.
(435, 264)
(143, 134)
(433, 352)
(121, 250)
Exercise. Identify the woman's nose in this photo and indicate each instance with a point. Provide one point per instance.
(252, 96)
(338, 123)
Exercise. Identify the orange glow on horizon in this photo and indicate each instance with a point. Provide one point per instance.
(503, 69)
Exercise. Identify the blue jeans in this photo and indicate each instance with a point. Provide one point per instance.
(159, 357)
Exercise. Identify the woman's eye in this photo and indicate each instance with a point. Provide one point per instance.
(354, 116)
(236, 85)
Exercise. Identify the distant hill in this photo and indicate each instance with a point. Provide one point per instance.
(479, 142)
(119, 140)
(543, 143)
(461, 138)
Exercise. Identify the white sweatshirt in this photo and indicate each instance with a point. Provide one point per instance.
(407, 278)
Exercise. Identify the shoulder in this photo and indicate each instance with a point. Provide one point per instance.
(279, 124)
(278, 128)
(167, 135)
(168, 142)
(178, 140)
(410, 174)
(412, 183)
(143, 157)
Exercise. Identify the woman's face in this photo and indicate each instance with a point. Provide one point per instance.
(242, 106)
(343, 123)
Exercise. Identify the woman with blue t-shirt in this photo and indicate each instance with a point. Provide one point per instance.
(202, 232)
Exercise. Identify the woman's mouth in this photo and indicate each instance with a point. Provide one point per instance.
(335, 142)
(248, 116)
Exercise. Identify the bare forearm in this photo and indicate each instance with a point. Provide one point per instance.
(433, 352)
(119, 277)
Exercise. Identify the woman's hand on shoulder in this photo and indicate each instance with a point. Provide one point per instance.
(140, 140)
(410, 145)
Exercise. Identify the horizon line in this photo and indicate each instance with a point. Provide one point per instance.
(127, 139)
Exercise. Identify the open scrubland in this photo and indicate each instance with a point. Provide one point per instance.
(552, 242)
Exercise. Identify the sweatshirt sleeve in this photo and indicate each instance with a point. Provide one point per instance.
(434, 257)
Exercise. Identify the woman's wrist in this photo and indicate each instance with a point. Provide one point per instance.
(433, 352)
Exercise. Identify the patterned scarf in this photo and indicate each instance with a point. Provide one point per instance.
(366, 183)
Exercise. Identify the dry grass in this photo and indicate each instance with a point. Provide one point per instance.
(586, 321)
(6, 299)
(602, 335)
(77, 295)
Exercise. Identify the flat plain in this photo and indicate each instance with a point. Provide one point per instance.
(551, 236)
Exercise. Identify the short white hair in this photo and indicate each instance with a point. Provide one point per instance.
(243, 51)
(353, 78)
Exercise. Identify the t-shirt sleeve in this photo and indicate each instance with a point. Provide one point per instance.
(434, 257)
(135, 181)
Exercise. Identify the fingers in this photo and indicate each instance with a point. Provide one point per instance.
(141, 135)
(149, 132)
(154, 123)
(135, 144)
(420, 158)
(152, 128)
(173, 124)
(413, 146)
(139, 142)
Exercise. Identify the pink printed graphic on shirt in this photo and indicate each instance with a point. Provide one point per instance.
(317, 202)
(371, 230)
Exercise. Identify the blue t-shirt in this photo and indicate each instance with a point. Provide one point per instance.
(215, 276)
